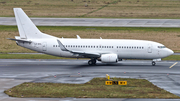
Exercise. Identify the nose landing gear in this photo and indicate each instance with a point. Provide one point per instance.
(153, 63)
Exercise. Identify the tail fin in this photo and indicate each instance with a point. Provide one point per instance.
(26, 27)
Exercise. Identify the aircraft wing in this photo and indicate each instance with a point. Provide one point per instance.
(85, 54)
(20, 40)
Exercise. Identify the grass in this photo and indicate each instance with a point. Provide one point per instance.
(55, 8)
(94, 8)
(29, 56)
(172, 57)
(167, 36)
(44, 56)
(141, 9)
(96, 88)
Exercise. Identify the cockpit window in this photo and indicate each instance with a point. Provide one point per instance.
(161, 47)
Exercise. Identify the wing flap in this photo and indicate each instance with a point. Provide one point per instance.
(87, 54)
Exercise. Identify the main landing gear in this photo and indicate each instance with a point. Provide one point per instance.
(153, 63)
(92, 62)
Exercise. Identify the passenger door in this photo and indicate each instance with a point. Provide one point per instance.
(149, 48)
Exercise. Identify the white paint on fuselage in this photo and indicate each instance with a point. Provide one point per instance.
(148, 50)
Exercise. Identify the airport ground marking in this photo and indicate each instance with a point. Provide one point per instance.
(173, 65)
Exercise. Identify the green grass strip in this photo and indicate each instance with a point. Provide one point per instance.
(44, 56)
(96, 88)
(144, 29)
(29, 56)
(54, 28)
(172, 57)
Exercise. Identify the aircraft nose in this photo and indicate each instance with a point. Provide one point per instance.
(170, 52)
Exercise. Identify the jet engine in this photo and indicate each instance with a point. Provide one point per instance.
(109, 58)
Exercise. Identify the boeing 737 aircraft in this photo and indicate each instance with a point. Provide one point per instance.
(104, 50)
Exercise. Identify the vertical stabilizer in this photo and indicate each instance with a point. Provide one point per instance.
(26, 27)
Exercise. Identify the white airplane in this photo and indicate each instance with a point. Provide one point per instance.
(104, 50)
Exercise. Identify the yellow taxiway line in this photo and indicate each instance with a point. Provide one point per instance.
(173, 65)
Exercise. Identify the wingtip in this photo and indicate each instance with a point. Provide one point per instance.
(78, 37)
(61, 46)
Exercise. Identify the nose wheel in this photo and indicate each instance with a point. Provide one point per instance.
(153, 63)
(92, 62)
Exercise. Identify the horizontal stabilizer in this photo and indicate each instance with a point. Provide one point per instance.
(20, 40)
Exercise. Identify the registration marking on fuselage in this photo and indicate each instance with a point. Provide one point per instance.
(173, 65)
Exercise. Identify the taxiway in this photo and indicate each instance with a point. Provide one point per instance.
(17, 71)
(97, 22)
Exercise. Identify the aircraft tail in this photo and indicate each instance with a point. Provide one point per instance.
(26, 27)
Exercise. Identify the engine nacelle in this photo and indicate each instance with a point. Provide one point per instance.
(109, 58)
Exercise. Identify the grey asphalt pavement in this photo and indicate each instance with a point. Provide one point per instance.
(104, 22)
(17, 71)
